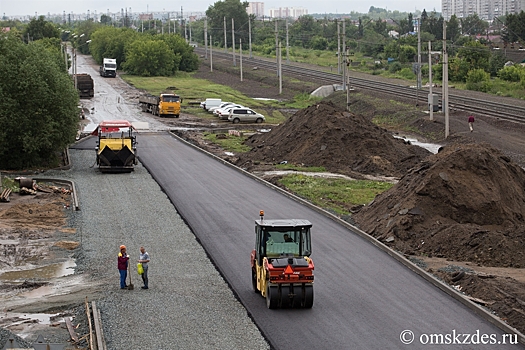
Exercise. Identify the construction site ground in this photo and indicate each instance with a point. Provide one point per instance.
(458, 214)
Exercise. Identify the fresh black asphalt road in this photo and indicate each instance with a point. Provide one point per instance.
(364, 298)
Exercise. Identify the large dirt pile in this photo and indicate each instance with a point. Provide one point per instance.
(325, 135)
(466, 203)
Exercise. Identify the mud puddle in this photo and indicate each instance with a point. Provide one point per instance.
(42, 272)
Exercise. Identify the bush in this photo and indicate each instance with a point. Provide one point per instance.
(512, 73)
(478, 80)
(406, 73)
(395, 67)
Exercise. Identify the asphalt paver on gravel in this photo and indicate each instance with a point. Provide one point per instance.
(364, 299)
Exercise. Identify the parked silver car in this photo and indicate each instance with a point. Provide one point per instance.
(245, 115)
(223, 113)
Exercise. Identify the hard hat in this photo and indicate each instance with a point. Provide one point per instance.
(122, 247)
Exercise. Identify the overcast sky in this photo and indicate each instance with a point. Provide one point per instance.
(43, 7)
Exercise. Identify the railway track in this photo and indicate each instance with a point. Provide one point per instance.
(508, 110)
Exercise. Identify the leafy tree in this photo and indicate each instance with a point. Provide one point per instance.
(475, 54)
(38, 114)
(228, 9)
(147, 57)
(380, 27)
(40, 28)
(434, 25)
(83, 33)
(188, 61)
(472, 25)
(110, 42)
(496, 62)
(514, 29)
(105, 20)
(305, 28)
(453, 29)
(318, 43)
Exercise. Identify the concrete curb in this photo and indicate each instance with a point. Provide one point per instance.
(480, 311)
(69, 183)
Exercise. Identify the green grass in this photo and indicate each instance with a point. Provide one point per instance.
(303, 100)
(338, 195)
(228, 142)
(193, 89)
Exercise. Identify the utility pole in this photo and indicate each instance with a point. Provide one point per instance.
(287, 44)
(250, 36)
(206, 38)
(338, 47)
(211, 57)
(444, 102)
(233, 43)
(279, 68)
(344, 53)
(430, 94)
(225, 42)
(277, 48)
(240, 56)
(418, 60)
(347, 64)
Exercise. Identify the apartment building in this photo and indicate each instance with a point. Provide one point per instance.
(288, 12)
(485, 9)
(256, 8)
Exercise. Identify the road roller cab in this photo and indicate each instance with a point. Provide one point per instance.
(116, 148)
(282, 270)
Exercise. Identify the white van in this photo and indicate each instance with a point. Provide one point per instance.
(210, 103)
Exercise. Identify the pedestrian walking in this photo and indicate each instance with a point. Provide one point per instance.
(471, 123)
(122, 260)
(144, 260)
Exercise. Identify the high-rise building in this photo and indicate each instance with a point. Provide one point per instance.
(256, 8)
(485, 9)
(288, 12)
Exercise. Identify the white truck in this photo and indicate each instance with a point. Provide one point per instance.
(108, 67)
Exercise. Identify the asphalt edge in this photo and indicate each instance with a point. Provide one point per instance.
(477, 309)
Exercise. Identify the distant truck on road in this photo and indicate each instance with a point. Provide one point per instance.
(108, 67)
(165, 105)
(85, 85)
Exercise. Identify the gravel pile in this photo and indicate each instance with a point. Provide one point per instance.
(188, 305)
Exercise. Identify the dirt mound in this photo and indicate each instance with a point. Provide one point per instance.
(324, 135)
(464, 203)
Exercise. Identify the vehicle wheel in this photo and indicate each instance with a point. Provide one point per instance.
(259, 120)
(236, 121)
(177, 115)
(272, 297)
(254, 281)
(285, 297)
(297, 297)
(308, 296)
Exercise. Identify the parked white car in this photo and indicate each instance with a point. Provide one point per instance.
(224, 113)
(222, 105)
(245, 115)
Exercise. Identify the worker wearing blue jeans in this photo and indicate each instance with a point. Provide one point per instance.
(123, 258)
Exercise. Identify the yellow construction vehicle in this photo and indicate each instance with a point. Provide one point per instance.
(165, 105)
(282, 270)
(116, 146)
